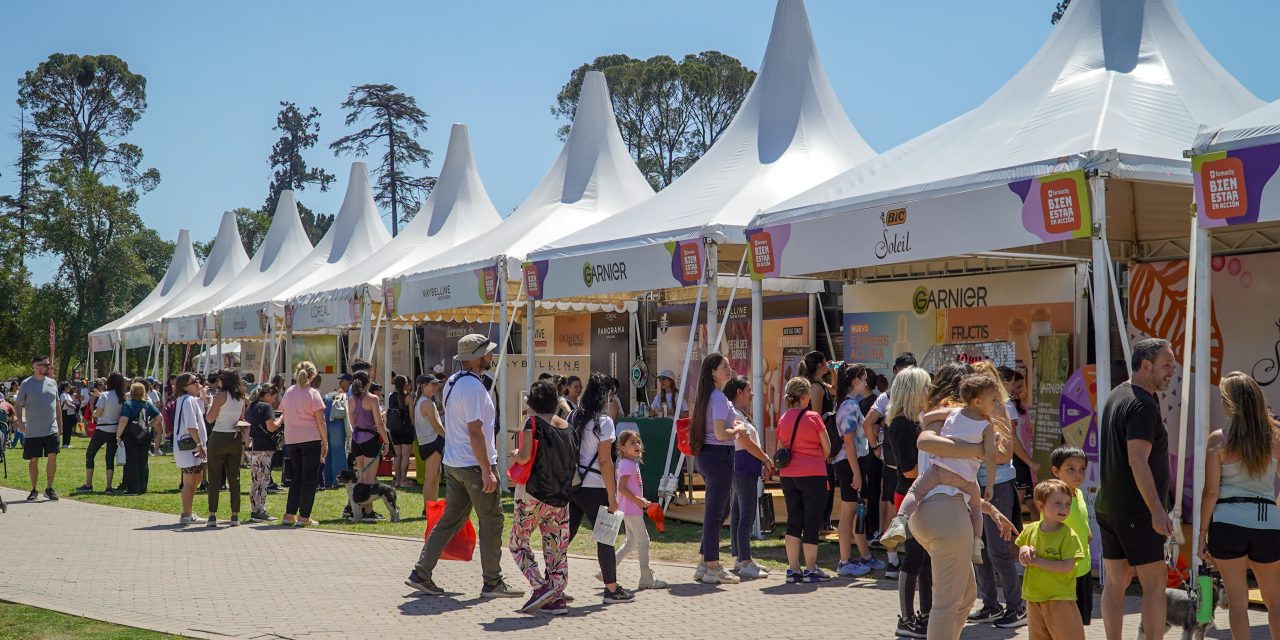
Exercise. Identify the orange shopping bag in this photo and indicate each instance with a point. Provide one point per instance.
(463, 544)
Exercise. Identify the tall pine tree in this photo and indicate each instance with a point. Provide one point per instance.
(298, 131)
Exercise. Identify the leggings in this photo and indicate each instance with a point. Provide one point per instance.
(637, 540)
(225, 451)
(586, 502)
(69, 421)
(716, 465)
(553, 525)
(99, 438)
(872, 475)
(260, 463)
(304, 459)
(136, 471)
(805, 497)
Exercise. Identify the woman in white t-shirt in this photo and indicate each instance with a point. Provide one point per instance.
(190, 439)
(226, 444)
(429, 430)
(107, 412)
(598, 485)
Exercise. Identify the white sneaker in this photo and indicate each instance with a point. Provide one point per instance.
(190, 520)
(896, 534)
(752, 571)
(650, 582)
(700, 572)
(720, 575)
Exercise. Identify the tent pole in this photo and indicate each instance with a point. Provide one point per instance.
(728, 308)
(1119, 311)
(530, 309)
(1189, 350)
(164, 373)
(1099, 299)
(386, 358)
(667, 488)
(500, 377)
(217, 336)
(1081, 314)
(822, 313)
(713, 287)
(757, 354)
(1203, 381)
(633, 355)
(366, 319)
(813, 323)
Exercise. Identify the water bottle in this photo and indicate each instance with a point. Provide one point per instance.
(860, 519)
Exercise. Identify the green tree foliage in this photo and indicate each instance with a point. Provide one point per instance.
(108, 259)
(395, 122)
(299, 131)
(669, 113)
(28, 175)
(1059, 10)
(82, 107)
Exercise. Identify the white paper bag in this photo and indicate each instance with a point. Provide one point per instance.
(607, 526)
(120, 459)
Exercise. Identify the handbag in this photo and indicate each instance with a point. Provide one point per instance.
(782, 457)
(767, 517)
(185, 442)
(519, 472)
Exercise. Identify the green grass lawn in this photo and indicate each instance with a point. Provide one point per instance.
(19, 622)
(678, 544)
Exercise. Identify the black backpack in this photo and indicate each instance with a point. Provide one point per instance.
(135, 429)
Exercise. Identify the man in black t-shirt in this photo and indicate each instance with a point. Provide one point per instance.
(1133, 500)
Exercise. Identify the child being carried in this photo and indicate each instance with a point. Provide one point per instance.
(970, 424)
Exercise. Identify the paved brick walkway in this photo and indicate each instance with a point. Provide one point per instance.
(137, 568)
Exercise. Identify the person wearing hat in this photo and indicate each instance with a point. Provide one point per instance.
(470, 466)
(429, 430)
(666, 401)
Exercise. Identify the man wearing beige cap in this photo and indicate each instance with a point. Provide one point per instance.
(470, 466)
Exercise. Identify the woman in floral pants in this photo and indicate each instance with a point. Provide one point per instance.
(264, 432)
(542, 501)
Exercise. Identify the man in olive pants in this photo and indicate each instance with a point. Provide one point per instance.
(470, 458)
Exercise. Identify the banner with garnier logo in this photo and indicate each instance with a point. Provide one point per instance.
(1238, 186)
(987, 217)
(662, 265)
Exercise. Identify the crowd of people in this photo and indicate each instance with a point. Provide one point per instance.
(904, 465)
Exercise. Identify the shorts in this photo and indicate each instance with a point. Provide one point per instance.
(1232, 541)
(401, 437)
(193, 471)
(1130, 538)
(33, 448)
(435, 447)
(370, 448)
(888, 482)
(844, 476)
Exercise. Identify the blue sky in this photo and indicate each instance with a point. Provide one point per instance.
(217, 71)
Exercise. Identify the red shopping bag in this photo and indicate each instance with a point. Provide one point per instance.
(463, 544)
(682, 436)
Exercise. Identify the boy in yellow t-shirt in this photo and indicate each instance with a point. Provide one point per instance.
(1068, 465)
(1049, 550)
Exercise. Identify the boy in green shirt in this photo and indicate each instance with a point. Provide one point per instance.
(1049, 550)
(1069, 464)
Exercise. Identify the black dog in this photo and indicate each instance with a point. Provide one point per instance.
(360, 496)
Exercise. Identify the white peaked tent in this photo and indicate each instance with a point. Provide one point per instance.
(356, 234)
(280, 251)
(182, 267)
(226, 260)
(789, 134)
(1237, 196)
(1093, 125)
(592, 179)
(457, 211)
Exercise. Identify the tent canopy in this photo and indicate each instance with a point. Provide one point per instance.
(285, 244)
(226, 260)
(1256, 128)
(789, 134)
(457, 211)
(1119, 88)
(357, 233)
(592, 179)
(182, 268)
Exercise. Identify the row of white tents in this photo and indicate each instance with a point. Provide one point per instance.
(1081, 156)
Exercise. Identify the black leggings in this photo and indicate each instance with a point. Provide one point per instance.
(805, 498)
(69, 421)
(872, 470)
(586, 501)
(916, 576)
(304, 460)
(100, 438)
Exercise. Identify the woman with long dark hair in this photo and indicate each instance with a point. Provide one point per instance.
(264, 439)
(1240, 526)
(69, 402)
(429, 428)
(107, 413)
(816, 367)
(190, 439)
(400, 429)
(712, 431)
(368, 431)
(750, 464)
(851, 479)
(599, 485)
(226, 444)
